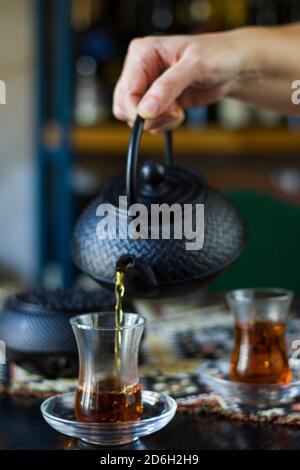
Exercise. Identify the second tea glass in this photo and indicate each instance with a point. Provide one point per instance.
(259, 353)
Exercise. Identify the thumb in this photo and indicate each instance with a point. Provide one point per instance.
(165, 90)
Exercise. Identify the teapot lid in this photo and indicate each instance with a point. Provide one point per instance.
(155, 183)
(158, 184)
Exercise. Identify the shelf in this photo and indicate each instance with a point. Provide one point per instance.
(113, 139)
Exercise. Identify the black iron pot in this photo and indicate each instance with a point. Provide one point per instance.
(159, 267)
(35, 326)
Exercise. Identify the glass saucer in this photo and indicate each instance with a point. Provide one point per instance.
(159, 409)
(215, 375)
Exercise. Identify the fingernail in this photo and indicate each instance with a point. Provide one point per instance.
(148, 108)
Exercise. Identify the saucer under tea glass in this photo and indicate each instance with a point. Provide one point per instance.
(158, 410)
(109, 407)
(215, 374)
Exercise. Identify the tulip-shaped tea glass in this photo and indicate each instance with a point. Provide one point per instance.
(108, 384)
(259, 353)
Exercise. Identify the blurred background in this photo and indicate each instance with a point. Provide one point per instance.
(59, 142)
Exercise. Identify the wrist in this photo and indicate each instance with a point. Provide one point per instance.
(247, 43)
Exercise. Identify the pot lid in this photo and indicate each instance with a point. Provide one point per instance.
(158, 184)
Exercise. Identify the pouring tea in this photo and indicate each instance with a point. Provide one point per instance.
(160, 267)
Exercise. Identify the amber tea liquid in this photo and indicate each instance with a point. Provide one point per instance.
(259, 353)
(105, 403)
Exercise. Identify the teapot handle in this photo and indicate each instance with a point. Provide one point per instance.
(133, 154)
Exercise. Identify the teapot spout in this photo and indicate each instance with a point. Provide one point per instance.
(139, 277)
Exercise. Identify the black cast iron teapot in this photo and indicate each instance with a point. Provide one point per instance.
(159, 267)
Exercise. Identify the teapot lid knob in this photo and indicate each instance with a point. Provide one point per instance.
(152, 172)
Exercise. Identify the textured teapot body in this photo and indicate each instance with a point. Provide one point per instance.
(175, 269)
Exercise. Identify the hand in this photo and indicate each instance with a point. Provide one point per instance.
(162, 76)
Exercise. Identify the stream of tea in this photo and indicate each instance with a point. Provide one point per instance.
(119, 293)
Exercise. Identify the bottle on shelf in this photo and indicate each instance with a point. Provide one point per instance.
(85, 13)
(162, 16)
(265, 12)
(233, 114)
(294, 11)
(91, 105)
(236, 13)
(196, 118)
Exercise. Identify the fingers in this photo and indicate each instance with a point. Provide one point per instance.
(125, 106)
(193, 97)
(149, 85)
(169, 120)
(164, 75)
(125, 103)
(167, 125)
(142, 66)
(165, 90)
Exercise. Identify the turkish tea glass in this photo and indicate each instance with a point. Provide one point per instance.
(259, 354)
(108, 388)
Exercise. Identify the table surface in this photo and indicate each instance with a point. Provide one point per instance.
(23, 428)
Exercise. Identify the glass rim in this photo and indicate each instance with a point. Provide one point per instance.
(74, 322)
(271, 293)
